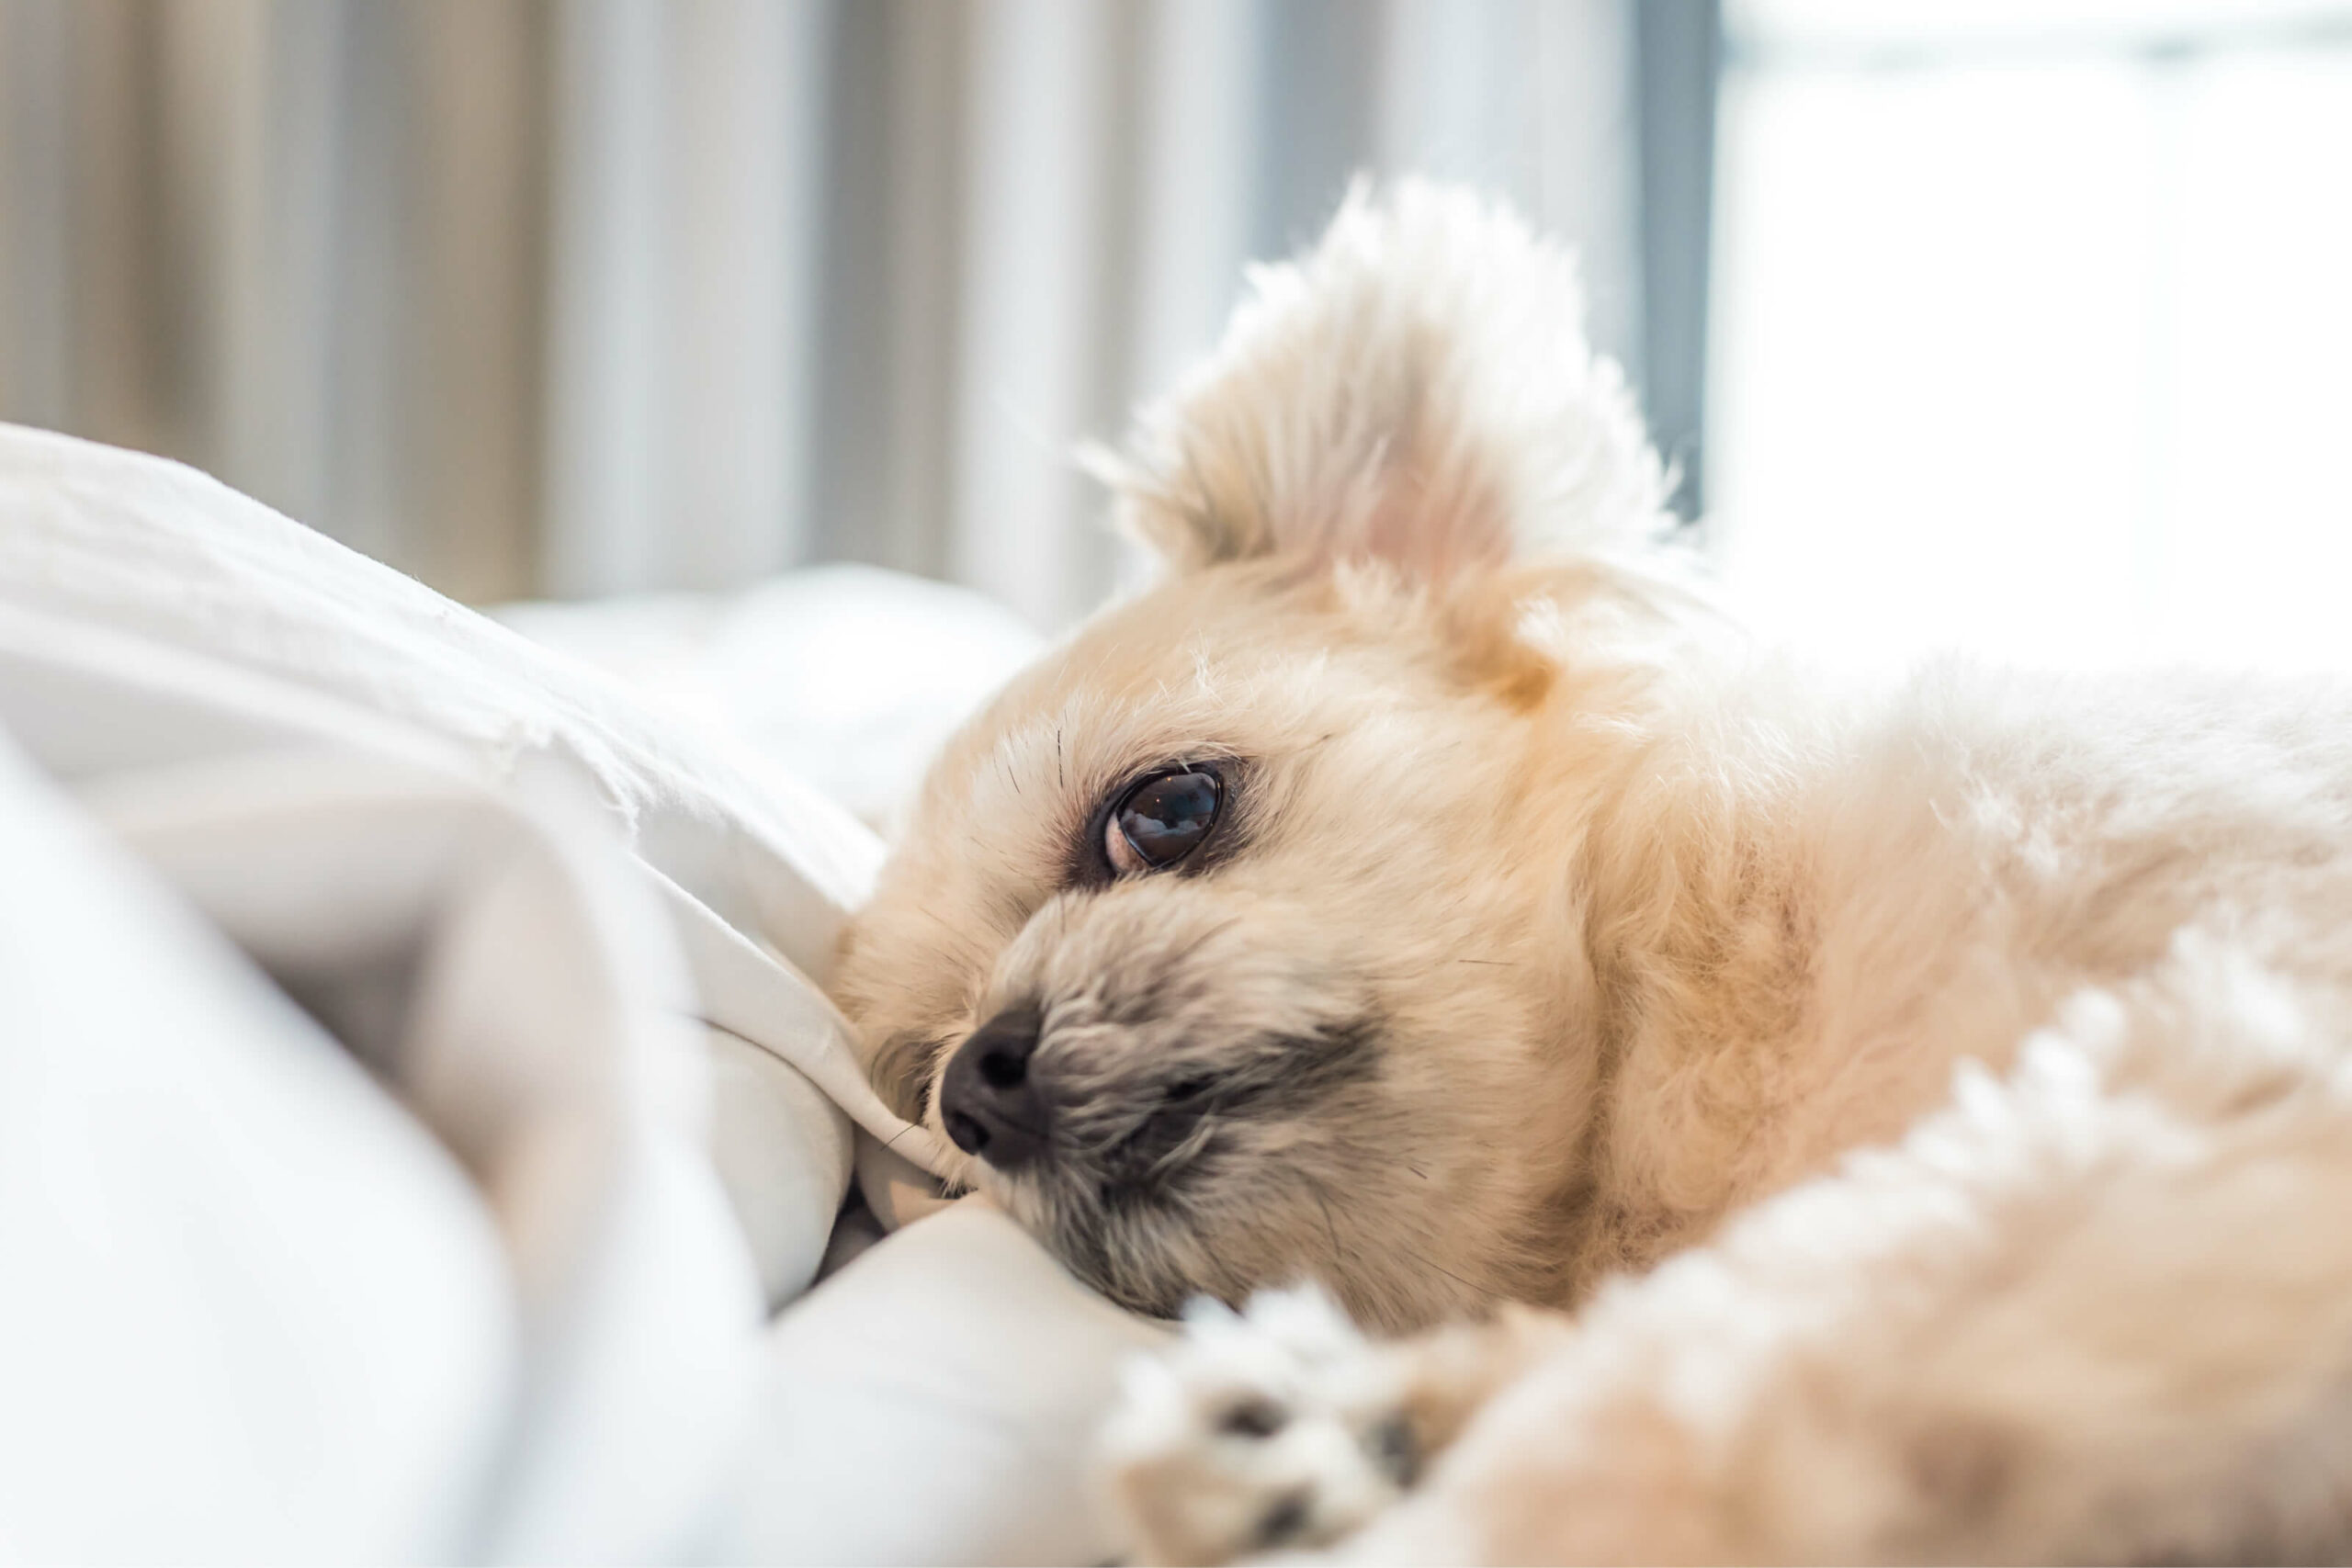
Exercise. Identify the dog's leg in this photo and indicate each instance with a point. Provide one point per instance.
(1284, 1428)
(2101, 1311)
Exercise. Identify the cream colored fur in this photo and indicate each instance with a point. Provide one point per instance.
(1931, 1104)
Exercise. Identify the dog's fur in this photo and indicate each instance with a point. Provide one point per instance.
(1549, 932)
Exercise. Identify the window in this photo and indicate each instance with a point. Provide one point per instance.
(2033, 328)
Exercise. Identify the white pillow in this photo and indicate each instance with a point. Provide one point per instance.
(414, 822)
(945, 1388)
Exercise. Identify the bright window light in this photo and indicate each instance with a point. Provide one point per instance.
(2032, 330)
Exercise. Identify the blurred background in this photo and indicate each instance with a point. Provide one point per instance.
(2018, 323)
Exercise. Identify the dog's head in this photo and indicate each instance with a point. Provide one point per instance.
(1236, 941)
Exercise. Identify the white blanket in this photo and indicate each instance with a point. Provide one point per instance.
(415, 1094)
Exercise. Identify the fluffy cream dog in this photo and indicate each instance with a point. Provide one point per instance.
(1933, 1107)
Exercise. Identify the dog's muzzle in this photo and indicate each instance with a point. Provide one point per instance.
(1001, 1103)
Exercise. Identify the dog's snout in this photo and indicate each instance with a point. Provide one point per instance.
(990, 1102)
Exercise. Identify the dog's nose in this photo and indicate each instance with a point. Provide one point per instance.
(989, 1100)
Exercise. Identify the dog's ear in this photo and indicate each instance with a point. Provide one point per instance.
(1416, 389)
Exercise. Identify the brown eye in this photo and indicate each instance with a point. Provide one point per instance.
(1162, 820)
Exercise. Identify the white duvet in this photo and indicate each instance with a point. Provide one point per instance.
(416, 1100)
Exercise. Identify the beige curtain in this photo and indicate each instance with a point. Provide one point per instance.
(591, 296)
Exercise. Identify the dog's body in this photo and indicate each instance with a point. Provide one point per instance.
(1385, 902)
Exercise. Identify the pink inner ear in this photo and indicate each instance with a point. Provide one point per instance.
(1436, 531)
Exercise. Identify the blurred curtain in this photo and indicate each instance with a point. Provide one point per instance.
(587, 296)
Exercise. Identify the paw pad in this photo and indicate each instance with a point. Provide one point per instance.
(1253, 1417)
(1395, 1449)
(1286, 1520)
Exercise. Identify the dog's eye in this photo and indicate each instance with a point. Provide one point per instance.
(1162, 820)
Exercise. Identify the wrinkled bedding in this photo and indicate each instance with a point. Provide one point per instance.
(421, 1124)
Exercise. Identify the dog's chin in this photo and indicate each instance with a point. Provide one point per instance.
(1137, 1248)
(1161, 1294)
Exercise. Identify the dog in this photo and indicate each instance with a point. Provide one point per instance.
(1910, 1120)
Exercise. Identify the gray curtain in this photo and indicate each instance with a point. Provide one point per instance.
(588, 295)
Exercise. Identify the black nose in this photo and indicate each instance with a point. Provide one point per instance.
(989, 1101)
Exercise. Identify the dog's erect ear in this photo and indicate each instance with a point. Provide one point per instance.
(1416, 389)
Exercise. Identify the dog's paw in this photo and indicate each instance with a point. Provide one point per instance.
(1279, 1428)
